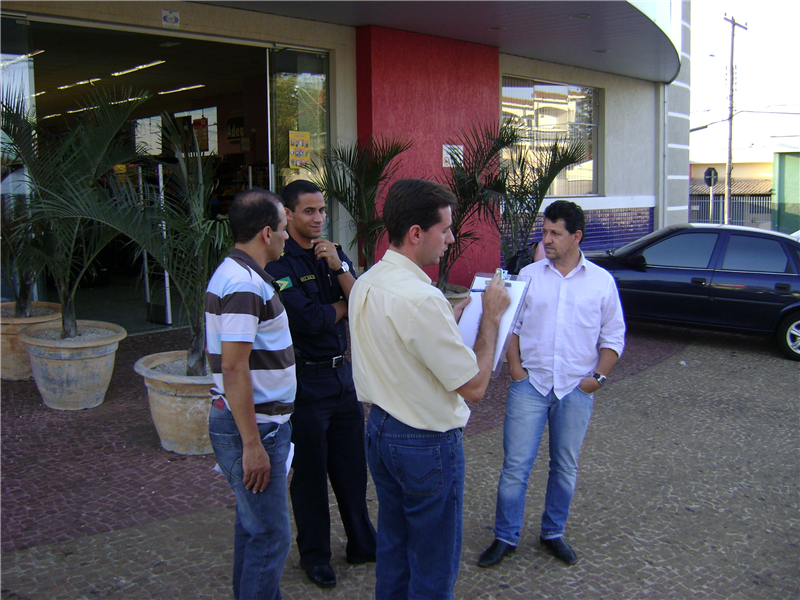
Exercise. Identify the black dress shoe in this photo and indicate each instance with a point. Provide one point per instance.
(495, 553)
(560, 549)
(321, 575)
(360, 560)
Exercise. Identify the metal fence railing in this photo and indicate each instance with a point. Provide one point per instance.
(749, 211)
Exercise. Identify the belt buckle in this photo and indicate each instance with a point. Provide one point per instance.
(337, 362)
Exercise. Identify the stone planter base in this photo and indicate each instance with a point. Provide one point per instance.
(179, 405)
(72, 374)
(16, 362)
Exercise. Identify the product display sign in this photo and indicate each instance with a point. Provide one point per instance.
(299, 149)
(201, 133)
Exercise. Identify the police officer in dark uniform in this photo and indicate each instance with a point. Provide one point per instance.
(315, 278)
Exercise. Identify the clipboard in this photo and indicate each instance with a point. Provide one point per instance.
(471, 317)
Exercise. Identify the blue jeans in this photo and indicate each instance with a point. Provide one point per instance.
(262, 534)
(527, 413)
(419, 478)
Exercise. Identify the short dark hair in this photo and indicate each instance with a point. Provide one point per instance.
(291, 193)
(570, 213)
(414, 202)
(251, 211)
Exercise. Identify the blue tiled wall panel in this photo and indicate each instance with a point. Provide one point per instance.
(607, 229)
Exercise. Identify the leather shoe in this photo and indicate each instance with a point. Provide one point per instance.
(560, 549)
(321, 575)
(495, 553)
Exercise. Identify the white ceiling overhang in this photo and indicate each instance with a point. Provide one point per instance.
(612, 37)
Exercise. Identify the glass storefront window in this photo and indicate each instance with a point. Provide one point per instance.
(299, 103)
(553, 111)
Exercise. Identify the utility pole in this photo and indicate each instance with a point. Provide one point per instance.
(727, 207)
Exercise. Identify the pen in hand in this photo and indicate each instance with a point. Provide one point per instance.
(479, 290)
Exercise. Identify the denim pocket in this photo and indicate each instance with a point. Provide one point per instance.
(419, 470)
(228, 452)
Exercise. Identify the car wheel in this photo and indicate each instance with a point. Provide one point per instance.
(789, 336)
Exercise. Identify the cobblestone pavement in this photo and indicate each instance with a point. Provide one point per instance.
(688, 488)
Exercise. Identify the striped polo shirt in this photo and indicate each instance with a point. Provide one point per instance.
(243, 306)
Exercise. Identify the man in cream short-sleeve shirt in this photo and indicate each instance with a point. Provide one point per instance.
(410, 363)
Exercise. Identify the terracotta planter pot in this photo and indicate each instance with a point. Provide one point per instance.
(72, 374)
(455, 293)
(16, 362)
(179, 405)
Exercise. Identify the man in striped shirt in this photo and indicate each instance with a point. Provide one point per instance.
(250, 352)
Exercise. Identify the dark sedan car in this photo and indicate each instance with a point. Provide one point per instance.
(718, 276)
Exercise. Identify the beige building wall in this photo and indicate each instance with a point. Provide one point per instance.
(761, 170)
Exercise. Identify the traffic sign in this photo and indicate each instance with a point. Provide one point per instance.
(710, 177)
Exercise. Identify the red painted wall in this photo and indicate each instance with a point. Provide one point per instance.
(427, 89)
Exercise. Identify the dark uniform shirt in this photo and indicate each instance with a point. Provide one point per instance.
(308, 288)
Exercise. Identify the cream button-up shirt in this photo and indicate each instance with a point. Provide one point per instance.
(408, 355)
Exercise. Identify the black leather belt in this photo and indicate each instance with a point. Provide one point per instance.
(330, 363)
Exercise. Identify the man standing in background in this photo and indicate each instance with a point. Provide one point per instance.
(569, 336)
(315, 279)
(249, 349)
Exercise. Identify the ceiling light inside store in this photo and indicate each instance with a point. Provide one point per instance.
(71, 85)
(183, 89)
(50, 116)
(127, 100)
(13, 61)
(80, 110)
(169, 44)
(139, 68)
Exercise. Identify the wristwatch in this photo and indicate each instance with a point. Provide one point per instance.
(601, 379)
(345, 268)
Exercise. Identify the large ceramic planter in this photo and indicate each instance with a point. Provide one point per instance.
(455, 293)
(179, 405)
(72, 374)
(16, 363)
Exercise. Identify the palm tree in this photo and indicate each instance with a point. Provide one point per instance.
(76, 162)
(355, 175)
(477, 179)
(529, 175)
(171, 224)
(20, 264)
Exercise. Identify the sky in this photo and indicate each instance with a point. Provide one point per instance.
(767, 79)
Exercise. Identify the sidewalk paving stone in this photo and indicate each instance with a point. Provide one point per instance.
(688, 488)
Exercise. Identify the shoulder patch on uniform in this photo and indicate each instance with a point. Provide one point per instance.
(305, 278)
(284, 283)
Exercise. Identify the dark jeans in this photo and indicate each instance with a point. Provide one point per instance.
(419, 477)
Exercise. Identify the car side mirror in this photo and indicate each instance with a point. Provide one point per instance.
(637, 261)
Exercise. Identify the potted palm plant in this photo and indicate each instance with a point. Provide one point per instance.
(476, 178)
(528, 176)
(355, 175)
(191, 246)
(172, 224)
(20, 270)
(71, 363)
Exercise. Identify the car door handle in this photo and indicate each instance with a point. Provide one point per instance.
(699, 280)
(783, 287)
